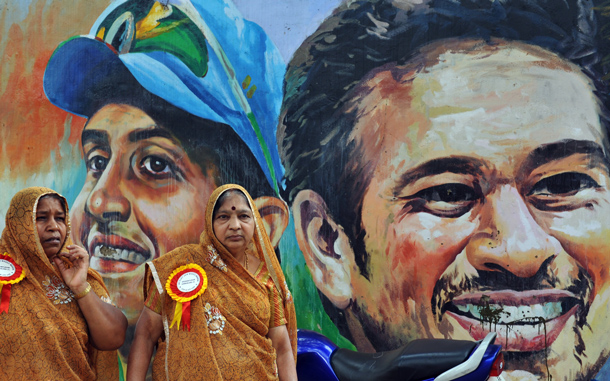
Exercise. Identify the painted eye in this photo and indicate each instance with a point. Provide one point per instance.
(157, 167)
(449, 193)
(567, 183)
(446, 200)
(154, 164)
(97, 163)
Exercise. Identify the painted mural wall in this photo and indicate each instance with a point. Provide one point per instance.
(445, 163)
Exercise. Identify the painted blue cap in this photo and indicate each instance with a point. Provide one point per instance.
(200, 56)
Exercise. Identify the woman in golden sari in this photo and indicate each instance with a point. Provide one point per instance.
(220, 309)
(57, 321)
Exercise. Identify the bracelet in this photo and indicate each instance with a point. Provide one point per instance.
(83, 293)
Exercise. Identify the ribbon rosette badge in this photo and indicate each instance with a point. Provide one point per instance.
(183, 285)
(10, 273)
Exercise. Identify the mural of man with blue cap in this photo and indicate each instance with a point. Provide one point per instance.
(180, 98)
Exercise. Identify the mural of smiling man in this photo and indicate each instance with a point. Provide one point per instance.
(180, 98)
(447, 167)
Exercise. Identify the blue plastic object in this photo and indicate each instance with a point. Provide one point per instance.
(314, 352)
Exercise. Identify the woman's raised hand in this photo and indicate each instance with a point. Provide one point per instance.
(73, 266)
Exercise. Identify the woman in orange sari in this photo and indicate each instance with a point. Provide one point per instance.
(56, 320)
(220, 309)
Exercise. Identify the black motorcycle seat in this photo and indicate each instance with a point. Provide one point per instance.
(418, 360)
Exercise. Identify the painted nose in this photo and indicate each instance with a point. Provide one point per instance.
(509, 238)
(106, 201)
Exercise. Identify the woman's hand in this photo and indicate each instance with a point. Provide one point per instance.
(106, 323)
(73, 266)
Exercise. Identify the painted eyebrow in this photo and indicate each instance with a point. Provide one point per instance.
(94, 136)
(150, 132)
(452, 164)
(101, 137)
(563, 149)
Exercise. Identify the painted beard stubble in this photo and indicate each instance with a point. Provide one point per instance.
(454, 283)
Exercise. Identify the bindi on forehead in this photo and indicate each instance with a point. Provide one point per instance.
(232, 208)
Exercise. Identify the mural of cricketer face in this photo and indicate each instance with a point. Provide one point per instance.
(484, 205)
(146, 190)
(168, 122)
(143, 196)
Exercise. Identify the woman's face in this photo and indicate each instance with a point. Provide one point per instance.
(234, 223)
(51, 225)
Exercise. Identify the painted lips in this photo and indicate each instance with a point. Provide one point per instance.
(114, 254)
(525, 321)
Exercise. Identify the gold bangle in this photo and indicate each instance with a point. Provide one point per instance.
(83, 293)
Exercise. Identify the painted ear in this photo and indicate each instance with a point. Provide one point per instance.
(325, 247)
(274, 213)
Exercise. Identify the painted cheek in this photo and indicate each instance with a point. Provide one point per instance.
(423, 246)
(180, 214)
(155, 216)
(585, 236)
(79, 219)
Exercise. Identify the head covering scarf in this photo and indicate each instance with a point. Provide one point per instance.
(241, 350)
(263, 250)
(41, 339)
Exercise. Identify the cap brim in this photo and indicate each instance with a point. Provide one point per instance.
(81, 72)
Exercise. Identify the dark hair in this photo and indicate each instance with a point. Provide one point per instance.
(206, 142)
(56, 197)
(226, 195)
(361, 36)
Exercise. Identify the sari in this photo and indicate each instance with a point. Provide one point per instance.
(229, 322)
(44, 335)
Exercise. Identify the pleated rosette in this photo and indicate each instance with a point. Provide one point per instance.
(183, 285)
(10, 273)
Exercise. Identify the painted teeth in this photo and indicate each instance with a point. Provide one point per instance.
(118, 254)
(509, 314)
